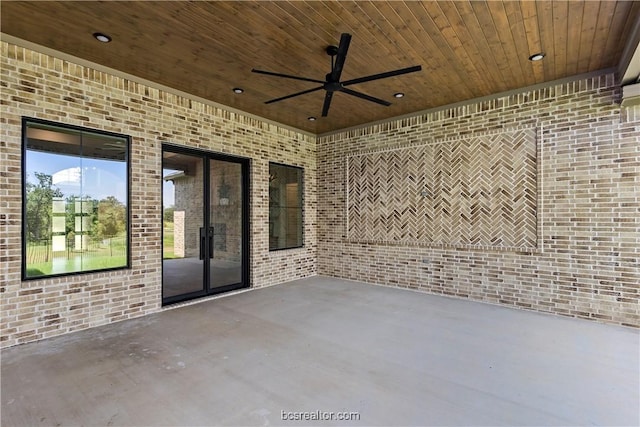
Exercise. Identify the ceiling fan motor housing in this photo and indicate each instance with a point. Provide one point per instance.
(332, 50)
(332, 86)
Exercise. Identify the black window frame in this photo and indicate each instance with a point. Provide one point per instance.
(64, 126)
(302, 202)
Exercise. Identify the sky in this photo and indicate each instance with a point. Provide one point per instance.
(80, 176)
(168, 192)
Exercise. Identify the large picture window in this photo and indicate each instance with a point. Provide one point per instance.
(285, 207)
(75, 200)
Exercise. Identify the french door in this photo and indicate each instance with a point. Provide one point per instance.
(205, 244)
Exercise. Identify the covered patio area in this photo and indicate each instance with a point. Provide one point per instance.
(352, 353)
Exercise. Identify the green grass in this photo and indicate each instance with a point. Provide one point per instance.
(167, 242)
(34, 272)
(41, 261)
(76, 264)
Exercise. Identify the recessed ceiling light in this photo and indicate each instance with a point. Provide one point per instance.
(102, 37)
(238, 90)
(311, 119)
(398, 95)
(536, 56)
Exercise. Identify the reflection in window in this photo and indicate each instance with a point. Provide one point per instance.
(285, 207)
(75, 200)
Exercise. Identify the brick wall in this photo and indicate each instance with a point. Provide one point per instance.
(45, 87)
(587, 259)
(474, 191)
(585, 263)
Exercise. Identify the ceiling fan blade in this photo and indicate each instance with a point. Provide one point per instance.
(287, 76)
(345, 40)
(383, 75)
(327, 103)
(365, 96)
(294, 94)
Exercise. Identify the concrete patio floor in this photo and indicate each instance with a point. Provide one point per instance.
(388, 356)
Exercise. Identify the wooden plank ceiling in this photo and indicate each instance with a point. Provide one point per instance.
(467, 49)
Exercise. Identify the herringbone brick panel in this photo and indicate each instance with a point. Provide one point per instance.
(477, 191)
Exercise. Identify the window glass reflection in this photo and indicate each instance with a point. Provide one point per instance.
(285, 207)
(75, 207)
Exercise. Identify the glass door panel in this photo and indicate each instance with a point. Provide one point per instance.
(225, 223)
(183, 224)
(205, 224)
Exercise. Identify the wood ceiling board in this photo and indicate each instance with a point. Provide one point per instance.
(412, 85)
(587, 34)
(490, 33)
(545, 22)
(605, 17)
(515, 17)
(467, 49)
(463, 23)
(560, 11)
(532, 31)
(574, 23)
(616, 41)
(451, 71)
(437, 85)
(506, 42)
(459, 46)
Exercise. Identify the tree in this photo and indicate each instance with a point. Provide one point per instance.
(70, 216)
(111, 219)
(167, 215)
(39, 207)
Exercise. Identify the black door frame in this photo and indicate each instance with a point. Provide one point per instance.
(206, 157)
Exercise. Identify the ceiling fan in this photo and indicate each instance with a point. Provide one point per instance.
(332, 81)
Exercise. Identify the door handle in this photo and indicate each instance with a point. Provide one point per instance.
(203, 237)
(211, 234)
